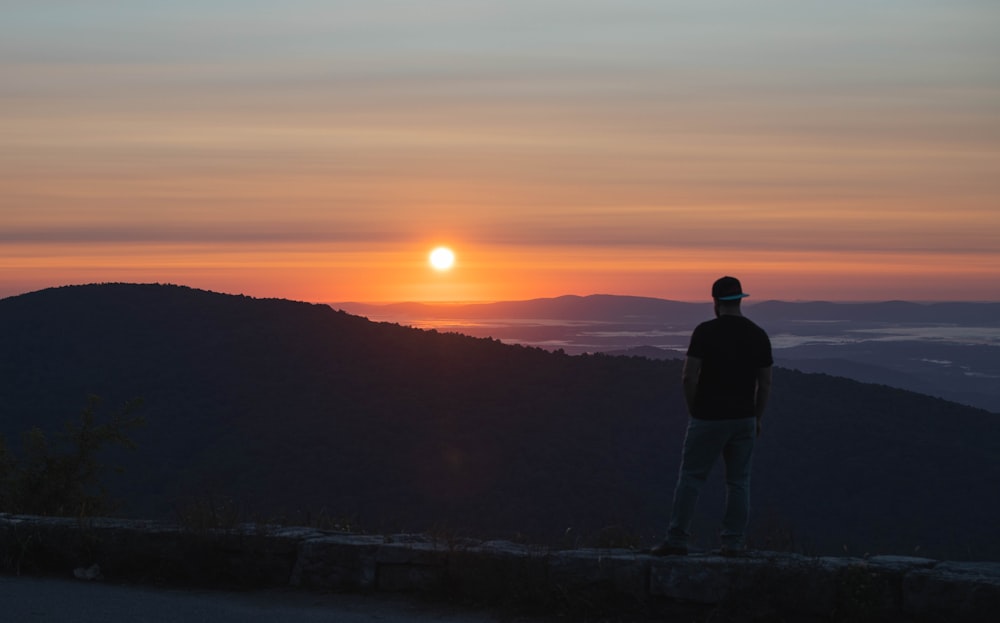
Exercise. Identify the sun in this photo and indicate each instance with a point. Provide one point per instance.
(442, 258)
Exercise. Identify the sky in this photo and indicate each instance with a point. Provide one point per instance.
(318, 150)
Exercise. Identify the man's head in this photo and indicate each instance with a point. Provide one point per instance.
(727, 292)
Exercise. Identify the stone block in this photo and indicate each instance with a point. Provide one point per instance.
(499, 572)
(411, 578)
(342, 562)
(954, 591)
(411, 564)
(869, 591)
(761, 585)
(789, 583)
(412, 553)
(599, 571)
(697, 578)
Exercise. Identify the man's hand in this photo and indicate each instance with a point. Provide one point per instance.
(763, 394)
(689, 379)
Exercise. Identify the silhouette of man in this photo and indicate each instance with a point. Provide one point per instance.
(727, 381)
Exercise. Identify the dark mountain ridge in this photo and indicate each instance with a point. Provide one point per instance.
(291, 407)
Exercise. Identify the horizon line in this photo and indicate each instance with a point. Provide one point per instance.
(431, 302)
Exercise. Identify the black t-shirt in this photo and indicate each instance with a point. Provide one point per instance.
(732, 349)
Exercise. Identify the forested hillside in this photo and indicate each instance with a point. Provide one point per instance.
(288, 407)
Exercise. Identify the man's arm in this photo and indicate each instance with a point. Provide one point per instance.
(692, 370)
(763, 393)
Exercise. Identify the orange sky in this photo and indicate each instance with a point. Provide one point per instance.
(318, 151)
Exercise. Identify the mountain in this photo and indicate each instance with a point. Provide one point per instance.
(294, 408)
(947, 350)
(594, 307)
(611, 307)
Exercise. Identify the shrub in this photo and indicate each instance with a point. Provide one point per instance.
(63, 477)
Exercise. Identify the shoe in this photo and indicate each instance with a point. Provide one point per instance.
(664, 549)
(733, 551)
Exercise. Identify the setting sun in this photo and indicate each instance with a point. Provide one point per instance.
(442, 258)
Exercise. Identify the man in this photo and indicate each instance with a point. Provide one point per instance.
(727, 381)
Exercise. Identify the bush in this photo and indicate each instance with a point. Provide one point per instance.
(63, 477)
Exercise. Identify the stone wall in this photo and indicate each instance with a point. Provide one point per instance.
(520, 578)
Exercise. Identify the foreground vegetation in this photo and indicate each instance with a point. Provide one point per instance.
(62, 474)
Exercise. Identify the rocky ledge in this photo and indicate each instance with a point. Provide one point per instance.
(591, 583)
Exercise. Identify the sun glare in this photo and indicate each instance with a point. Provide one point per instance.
(442, 258)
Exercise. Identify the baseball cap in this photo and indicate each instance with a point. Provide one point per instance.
(728, 289)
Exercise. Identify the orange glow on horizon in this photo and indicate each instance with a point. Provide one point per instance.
(494, 273)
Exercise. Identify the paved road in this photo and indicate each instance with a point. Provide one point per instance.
(46, 600)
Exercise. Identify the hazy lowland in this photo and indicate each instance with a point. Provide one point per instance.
(295, 409)
(949, 350)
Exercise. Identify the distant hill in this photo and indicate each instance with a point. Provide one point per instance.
(615, 307)
(569, 307)
(290, 407)
(947, 350)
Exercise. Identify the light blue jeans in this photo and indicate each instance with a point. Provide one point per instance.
(704, 442)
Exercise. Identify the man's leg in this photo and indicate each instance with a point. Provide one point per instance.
(702, 445)
(737, 454)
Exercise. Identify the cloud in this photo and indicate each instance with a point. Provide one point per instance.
(195, 234)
